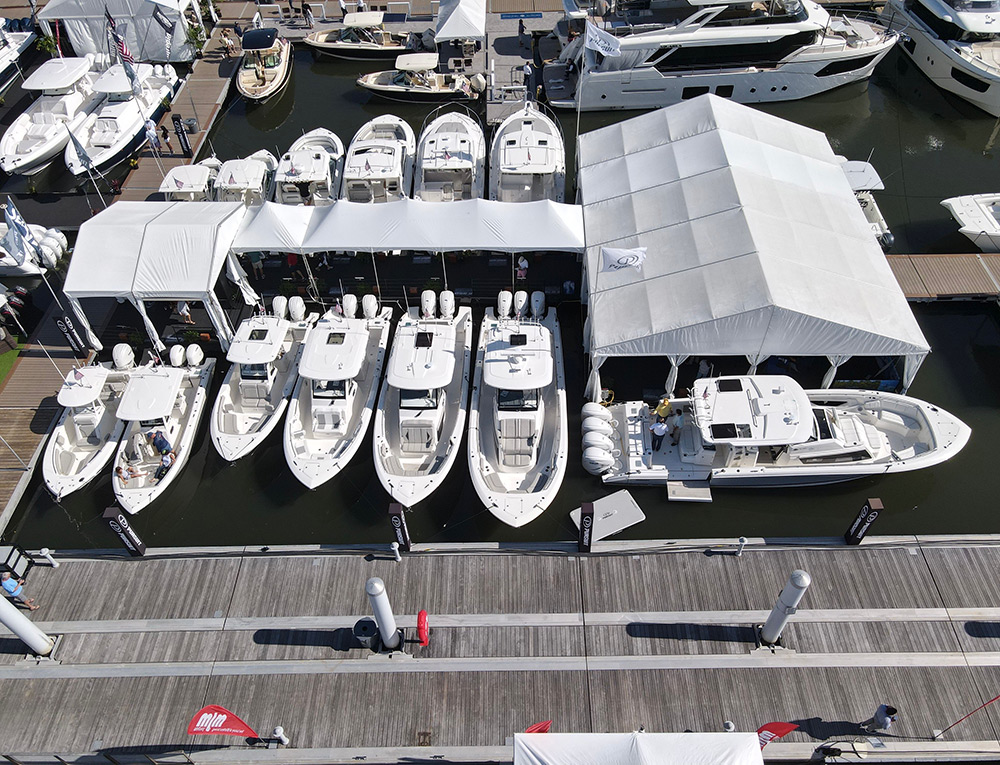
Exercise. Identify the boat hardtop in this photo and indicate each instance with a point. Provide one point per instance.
(195, 183)
(364, 19)
(258, 340)
(242, 173)
(116, 81)
(759, 410)
(371, 160)
(303, 166)
(58, 74)
(335, 351)
(423, 356)
(861, 175)
(83, 386)
(518, 356)
(259, 39)
(417, 62)
(150, 394)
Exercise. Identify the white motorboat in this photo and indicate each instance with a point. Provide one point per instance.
(87, 434)
(66, 97)
(528, 158)
(955, 43)
(451, 159)
(750, 52)
(416, 80)
(978, 216)
(12, 45)
(364, 38)
(265, 367)
(169, 399)
(422, 405)
(191, 183)
(865, 180)
(266, 66)
(333, 401)
(379, 166)
(249, 180)
(309, 172)
(766, 431)
(518, 429)
(118, 126)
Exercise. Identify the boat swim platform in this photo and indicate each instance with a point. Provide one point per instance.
(657, 634)
(926, 277)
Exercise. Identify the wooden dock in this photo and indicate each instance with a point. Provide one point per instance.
(656, 634)
(973, 276)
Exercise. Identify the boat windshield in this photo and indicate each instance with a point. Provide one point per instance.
(975, 6)
(517, 400)
(418, 399)
(253, 371)
(157, 422)
(330, 389)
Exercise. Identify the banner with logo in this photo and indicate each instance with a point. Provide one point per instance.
(601, 41)
(214, 720)
(617, 259)
(769, 732)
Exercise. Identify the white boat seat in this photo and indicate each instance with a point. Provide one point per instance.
(517, 442)
(252, 392)
(86, 427)
(416, 438)
(326, 421)
(105, 133)
(44, 118)
(139, 449)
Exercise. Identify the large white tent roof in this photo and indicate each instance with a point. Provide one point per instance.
(637, 749)
(755, 242)
(461, 20)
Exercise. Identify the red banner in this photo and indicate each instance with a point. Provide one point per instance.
(219, 721)
(542, 727)
(767, 733)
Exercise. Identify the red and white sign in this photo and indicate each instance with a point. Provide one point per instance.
(214, 720)
(767, 733)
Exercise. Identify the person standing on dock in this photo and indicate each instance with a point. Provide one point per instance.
(527, 75)
(308, 14)
(883, 719)
(361, 6)
(521, 35)
(14, 588)
(165, 138)
(343, 9)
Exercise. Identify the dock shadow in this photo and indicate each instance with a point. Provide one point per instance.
(12, 646)
(823, 730)
(982, 629)
(720, 633)
(341, 639)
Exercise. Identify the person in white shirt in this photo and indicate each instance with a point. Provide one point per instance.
(659, 430)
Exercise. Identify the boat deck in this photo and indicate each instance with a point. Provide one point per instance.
(656, 634)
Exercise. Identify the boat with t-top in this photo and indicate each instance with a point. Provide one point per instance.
(363, 37)
(266, 65)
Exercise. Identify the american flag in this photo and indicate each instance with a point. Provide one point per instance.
(109, 18)
(178, 183)
(77, 374)
(123, 52)
(232, 179)
(368, 167)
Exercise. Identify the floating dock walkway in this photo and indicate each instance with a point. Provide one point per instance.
(974, 276)
(657, 634)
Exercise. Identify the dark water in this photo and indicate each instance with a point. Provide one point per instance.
(926, 145)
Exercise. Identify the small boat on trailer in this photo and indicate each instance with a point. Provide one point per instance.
(416, 80)
(266, 66)
(309, 173)
(978, 216)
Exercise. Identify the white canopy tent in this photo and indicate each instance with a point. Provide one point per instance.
(86, 26)
(637, 749)
(461, 20)
(143, 251)
(755, 244)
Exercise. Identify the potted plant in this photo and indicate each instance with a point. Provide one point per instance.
(47, 44)
(191, 335)
(196, 39)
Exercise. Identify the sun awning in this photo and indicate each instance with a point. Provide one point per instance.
(461, 20)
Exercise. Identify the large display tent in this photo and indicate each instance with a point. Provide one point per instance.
(637, 748)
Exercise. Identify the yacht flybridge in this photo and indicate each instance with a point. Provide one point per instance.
(66, 97)
(379, 166)
(766, 431)
(265, 366)
(266, 65)
(309, 172)
(978, 216)
(87, 434)
(955, 43)
(528, 158)
(168, 399)
(451, 159)
(518, 438)
(249, 180)
(422, 405)
(756, 52)
(333, 401)
(191, 183)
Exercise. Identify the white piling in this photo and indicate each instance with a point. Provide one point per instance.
(788, 601)
(384, 618)
(46, 553)
(11, 618)
(739, 549)
(279, 733)
(395, 551)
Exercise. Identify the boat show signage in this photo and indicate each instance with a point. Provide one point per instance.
(863, 522)
(182, 136)
(123, 529)
(73, 339)
(399, 531)
(586, 538)
(214, 720)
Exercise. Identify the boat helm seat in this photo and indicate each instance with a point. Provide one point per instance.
(86, 427)
(416, 438)
(327, 421)
(517, 439)
(252, 392)
(44, 118)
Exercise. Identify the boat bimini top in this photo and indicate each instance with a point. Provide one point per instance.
(759, 410)
(334, 351)
(83, 390)
(114, 80)
(258, 340)
(417, 62)
(365, 19)
(150, 394)
(57, 74)
(423, 357)
(259, 39)
(518, 357)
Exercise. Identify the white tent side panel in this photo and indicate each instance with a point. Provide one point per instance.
(637, 749)
(273, 227)
(461, 20)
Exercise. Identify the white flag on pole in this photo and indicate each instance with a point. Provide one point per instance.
(23, 241)
(615, 259)
(601, 41)
(14, 245)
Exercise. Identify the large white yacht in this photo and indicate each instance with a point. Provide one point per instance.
(379, 166)
(978, 216)
(362, 37)
(87, 434)
(66, 97)
(451, 159)
(766, 431)
(265, 367)
(309, 172)
(528, 158)
(191, 183)
(249, 180)
(422, 405)
(333, 401)
(168, 399)
(751, 52)
(518, 430)
(956, 43)
(118, 126)
(266, 66)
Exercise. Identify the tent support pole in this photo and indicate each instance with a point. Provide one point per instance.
(378, 287)
(312, 280)
(444, 270)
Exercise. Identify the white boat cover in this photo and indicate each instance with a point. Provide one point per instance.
(84, 21)
(461, 20)
(158, 251)
(411, 224)
(637, 749)
(755, 243)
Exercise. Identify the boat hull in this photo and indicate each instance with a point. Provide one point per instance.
(400, 95)
(357, 54)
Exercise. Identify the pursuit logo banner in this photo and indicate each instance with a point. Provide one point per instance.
(218, 721)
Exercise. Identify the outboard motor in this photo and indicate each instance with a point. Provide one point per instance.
(21, 293)
(350, 305)
(597, 460)
(158, 70)
(597, 425)
(447, 304)
(279, 306)
(169, 72)
(520, 304)
(296, 308)
(504, 300)
(478, 83)
(59, 236)
(123, 356)
(195, 355)
(593, 409)
(597, 440)
(428, 303)
(538, 305)
(48, 255)
(177, 356)
(886, 240)
(15, 301)
(369, 306)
